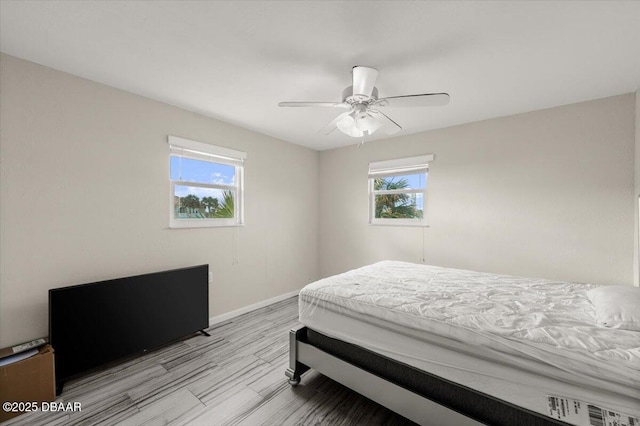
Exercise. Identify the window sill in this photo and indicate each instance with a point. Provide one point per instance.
(205, 225)
(415, 225)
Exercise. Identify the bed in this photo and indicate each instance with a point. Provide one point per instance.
(449, 346)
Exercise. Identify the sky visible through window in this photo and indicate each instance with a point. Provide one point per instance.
(417, 181)
(414, 181)
(190, 170)
(406, 199)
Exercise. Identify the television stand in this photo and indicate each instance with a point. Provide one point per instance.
(205, 333)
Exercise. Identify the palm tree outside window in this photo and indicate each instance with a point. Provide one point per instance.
(397, 191)
(206, 184)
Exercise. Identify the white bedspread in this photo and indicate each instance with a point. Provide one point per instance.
(550, 321)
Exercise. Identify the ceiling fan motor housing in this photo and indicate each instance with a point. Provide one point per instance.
(351, 98)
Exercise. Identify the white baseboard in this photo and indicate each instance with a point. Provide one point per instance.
(229, 315)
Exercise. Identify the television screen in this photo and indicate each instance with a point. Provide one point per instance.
(92, 324)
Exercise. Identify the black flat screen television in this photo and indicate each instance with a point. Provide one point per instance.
(96, 323)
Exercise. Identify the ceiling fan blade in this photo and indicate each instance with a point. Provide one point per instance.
(315, 104)
(333, 125)
(424, 100)
(364, 79)
(389, 127)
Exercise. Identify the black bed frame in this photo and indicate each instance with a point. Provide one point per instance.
(418, 395)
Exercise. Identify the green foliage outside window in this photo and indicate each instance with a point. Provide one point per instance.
(394, 206)
(207, 207)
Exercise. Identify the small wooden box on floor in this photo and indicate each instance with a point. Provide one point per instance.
(31, 380)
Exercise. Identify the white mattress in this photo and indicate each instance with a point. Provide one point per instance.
(519, 339)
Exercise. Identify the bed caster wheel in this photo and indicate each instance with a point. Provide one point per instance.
(294, 382)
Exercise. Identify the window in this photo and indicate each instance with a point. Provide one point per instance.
(398, 190)
(206, 184)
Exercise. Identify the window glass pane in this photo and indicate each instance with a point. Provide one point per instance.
(399, 206)
(187, 169)
(192, 202)
(414, 181)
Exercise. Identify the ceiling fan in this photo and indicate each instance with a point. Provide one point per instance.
(364, 117)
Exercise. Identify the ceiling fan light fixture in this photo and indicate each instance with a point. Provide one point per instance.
(358, 122)
(366, 123)
(348, 126)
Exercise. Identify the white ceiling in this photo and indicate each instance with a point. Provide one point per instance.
(235, 61)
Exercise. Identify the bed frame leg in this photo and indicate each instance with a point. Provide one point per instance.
(296, 368)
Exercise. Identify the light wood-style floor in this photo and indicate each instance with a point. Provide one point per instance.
(234, 377)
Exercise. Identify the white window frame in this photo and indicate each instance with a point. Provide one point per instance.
(398, 167)
(215, 154)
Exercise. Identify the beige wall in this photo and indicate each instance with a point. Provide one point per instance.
(84, 196)
(543, 194)
(636, 230)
